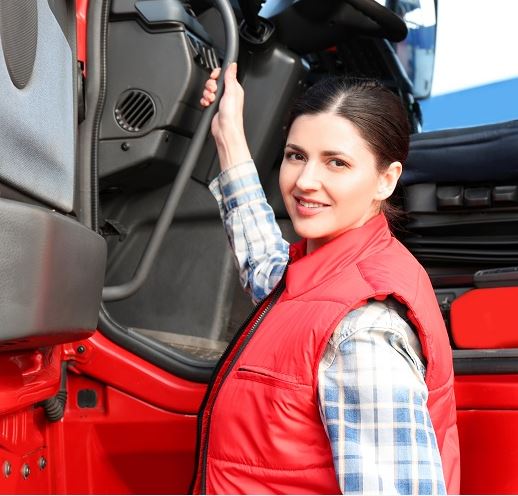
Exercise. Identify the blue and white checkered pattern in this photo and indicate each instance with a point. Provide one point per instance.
(253, 233)
(373, 403)
(372, 392)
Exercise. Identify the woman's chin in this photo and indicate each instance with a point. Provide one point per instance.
(310, 234)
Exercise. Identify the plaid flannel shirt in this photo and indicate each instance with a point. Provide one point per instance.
(372, 393)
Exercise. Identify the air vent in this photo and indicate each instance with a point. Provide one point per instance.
(135, 109)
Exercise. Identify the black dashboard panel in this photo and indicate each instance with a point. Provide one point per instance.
(148, 121)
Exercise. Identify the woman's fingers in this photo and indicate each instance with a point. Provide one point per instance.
(232, 87)
(211, 85)
(209, 95)
(215, 73)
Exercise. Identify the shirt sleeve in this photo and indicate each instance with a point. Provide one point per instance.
(372, 398)
(260, 251)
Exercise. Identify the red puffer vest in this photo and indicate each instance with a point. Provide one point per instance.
(260, 430)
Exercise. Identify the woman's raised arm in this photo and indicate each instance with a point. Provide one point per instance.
(256, 240)
(227, 125)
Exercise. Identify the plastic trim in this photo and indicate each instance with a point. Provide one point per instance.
(155, 352)
(46, 295)
(111, 293)
(476, 362)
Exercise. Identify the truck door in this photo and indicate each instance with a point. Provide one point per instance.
(52, 265)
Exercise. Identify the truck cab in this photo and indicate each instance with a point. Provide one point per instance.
(119, 291)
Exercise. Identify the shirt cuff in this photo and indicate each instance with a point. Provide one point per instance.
(237, 186)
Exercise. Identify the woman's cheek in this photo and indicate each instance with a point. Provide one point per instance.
(284, 182)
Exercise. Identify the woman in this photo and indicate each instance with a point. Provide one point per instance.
(342, 380)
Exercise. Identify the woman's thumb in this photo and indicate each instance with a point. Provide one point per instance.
(231, 73)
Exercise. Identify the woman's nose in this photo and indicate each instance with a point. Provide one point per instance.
(309, 178)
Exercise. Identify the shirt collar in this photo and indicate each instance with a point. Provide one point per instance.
(305, 272)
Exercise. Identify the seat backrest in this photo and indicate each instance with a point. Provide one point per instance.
(37, 125)
(51, 266)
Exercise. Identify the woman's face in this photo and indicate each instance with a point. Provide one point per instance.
(329, 180)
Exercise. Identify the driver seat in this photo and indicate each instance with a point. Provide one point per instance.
(52, 266)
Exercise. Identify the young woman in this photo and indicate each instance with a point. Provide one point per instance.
(342, 380)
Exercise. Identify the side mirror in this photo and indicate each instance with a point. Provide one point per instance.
(417, 51)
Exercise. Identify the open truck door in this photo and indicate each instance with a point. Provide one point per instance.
(52, 265)
(79, 414)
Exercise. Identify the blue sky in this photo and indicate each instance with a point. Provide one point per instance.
(477, 43)
(476, 65)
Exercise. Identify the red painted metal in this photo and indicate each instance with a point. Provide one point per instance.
(489, 452)
(481, 318)
(23, 447)
(487, 392)
(140, 436)
(487, 419)
(137, 437)
(81, 11)
(28, 377)
(122, 445)
(121, 369)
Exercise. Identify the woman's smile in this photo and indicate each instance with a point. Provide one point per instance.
(309, 207)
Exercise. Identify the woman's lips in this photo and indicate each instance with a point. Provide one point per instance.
(307, 207)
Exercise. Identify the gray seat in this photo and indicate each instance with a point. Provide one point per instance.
(51, 266)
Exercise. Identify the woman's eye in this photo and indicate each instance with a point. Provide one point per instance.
(294, 156)
(338, 163)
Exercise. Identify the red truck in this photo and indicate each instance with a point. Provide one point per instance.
(118, 291)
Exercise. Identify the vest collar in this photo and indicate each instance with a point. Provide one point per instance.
(305, 272)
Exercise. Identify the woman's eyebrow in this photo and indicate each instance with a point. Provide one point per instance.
(325, 153)
(338, 153)
(295, 147)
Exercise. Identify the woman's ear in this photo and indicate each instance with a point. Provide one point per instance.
(387, 181)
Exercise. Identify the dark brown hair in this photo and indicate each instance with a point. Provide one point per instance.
(376, 112)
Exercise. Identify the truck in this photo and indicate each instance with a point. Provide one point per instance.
(118, 290)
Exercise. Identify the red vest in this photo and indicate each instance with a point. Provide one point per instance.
(260, 428)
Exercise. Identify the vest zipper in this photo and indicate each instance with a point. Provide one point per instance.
(274, 296)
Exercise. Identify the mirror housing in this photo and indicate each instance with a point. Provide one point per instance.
(417, 51)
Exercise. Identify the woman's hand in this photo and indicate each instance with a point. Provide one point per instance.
(227, 125)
